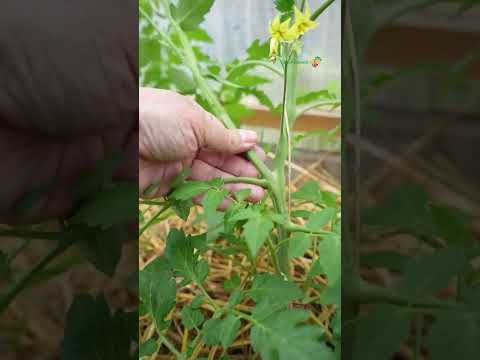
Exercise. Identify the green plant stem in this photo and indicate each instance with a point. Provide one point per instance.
(170, 346)
(168, 42)
(318, 104)
(302, 6)
(297, 228)
(283, 150)
(321, 9)
(273, 252)
(264, 64)
(208, 297)
(152, 202)
(247, 180)
(224, 81)
(155, 217)
(19, 285)
(281, 153)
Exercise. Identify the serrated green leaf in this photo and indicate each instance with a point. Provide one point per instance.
(298, 244)
(230, 327)
(284, 5)
(320, 218)
(331, 258)
(181, 178)
(314, 96)
(309, 191)
(202, 269)
(256, 231)
(192, 317)
(236, 298)
(182, 208)
(333, 293)
(262, 97)
(190, 189)
(242, 194)
(216, 226)
(147, 348)
(258, 50)
(282, 335)
(158, 290)
(233, 282)
(214, 69)
(200, 55)
(146, 6)
(279, 219)
(274, 290)
(240, 213)
(316, 269)
(238, 111)
(234, 70)
(329, 199)
(211, 331)
(181, 254)
(250, 80)
(199, 34)
(199, 242)
(191, 13)
(212, 200)
(197, 301)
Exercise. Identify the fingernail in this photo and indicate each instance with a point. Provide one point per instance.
(249, 137)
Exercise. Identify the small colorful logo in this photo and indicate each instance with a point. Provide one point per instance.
(316, 61)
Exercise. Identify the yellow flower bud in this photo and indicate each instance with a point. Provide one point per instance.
(282, 30)
(302, 21)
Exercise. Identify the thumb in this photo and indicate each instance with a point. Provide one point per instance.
(232, 141)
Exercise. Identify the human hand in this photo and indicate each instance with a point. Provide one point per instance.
(175, 132)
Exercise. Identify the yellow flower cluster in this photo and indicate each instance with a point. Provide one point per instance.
(283, 32)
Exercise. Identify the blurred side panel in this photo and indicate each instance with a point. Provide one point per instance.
(68, 172)
(411, 274)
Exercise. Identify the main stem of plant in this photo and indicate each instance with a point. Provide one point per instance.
(275, 182)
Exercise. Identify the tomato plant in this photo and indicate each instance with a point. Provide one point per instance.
(286, 316)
